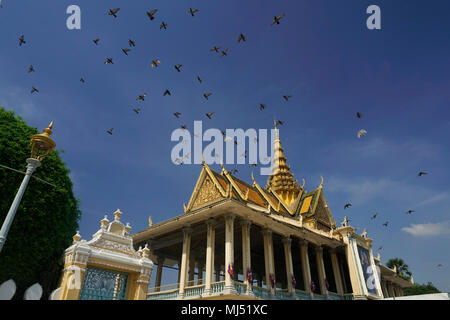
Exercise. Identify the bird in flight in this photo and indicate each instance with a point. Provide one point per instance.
(358, 115)
(82, 80)
(155, 63)
(113, 12)
(163, 25)
(22, 40)
(386, 223)
(141, 97)
(224, 52)
(177, 114)
(108, 61)
(410, 211)
(137, 110)
(361, 133)
(421, 173)
(276, 19)
(241, 38)
(279, 122)
(30, 69)
(96, 41)
(206, 95)
(33, 90)
(167, 92)
(151, 14)
(183, 127)
(192, 11)
(348, 205)
(262, 106)
(110, 131)
(380, 248)
(199, 79)
(374, 216)
(126, 50)
(131, 43)
(234, 171)
(287, 97)
(215, 48)
(439, 265)
(178, 67)
(209, 115)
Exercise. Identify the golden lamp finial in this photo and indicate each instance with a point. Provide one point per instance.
(42, 144)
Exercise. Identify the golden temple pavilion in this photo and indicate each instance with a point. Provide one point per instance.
(237, 240)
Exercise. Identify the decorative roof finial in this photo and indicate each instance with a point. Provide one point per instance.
(145, 252)
(127, 228)
(104, 222)
(117, 215)
(150, 222)
(76, 237)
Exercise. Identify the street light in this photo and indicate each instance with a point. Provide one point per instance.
(41, 146)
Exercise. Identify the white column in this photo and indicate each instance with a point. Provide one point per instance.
(321, 270)
(246, 256)
(268, 258)
(185, 259)
(210, 241)
(288, 261)
(306, 270)
(336, 272)
(229, 252)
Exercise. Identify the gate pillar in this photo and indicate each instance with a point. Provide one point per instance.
(107, 267)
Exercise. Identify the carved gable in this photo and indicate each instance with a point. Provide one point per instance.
(207, 193)
(322, 213)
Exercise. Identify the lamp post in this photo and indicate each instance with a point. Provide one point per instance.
(41, 146)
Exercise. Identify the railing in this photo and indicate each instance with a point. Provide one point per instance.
(283, 294)
(165, 295)
(240, 287)
(262, 293)
(334, 296)
(217, 287)
(194, 291)
(302, 295)
(319, 297)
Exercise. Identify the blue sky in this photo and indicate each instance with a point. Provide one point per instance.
(322, 54)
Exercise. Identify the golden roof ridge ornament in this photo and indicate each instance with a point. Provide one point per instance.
(282, 181)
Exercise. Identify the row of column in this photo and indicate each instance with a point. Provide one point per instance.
(246, 260)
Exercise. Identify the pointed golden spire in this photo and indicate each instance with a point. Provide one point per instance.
(282, 180)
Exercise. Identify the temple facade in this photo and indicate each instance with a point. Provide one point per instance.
(238, 240)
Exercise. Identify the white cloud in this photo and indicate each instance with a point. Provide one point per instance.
(428, 229)
(435, 198)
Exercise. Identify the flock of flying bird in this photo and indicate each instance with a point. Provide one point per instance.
(155, 63)
(178, 67)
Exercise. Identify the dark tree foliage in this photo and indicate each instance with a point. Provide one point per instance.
(402, 267)
(47, 217)
(420, 289)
